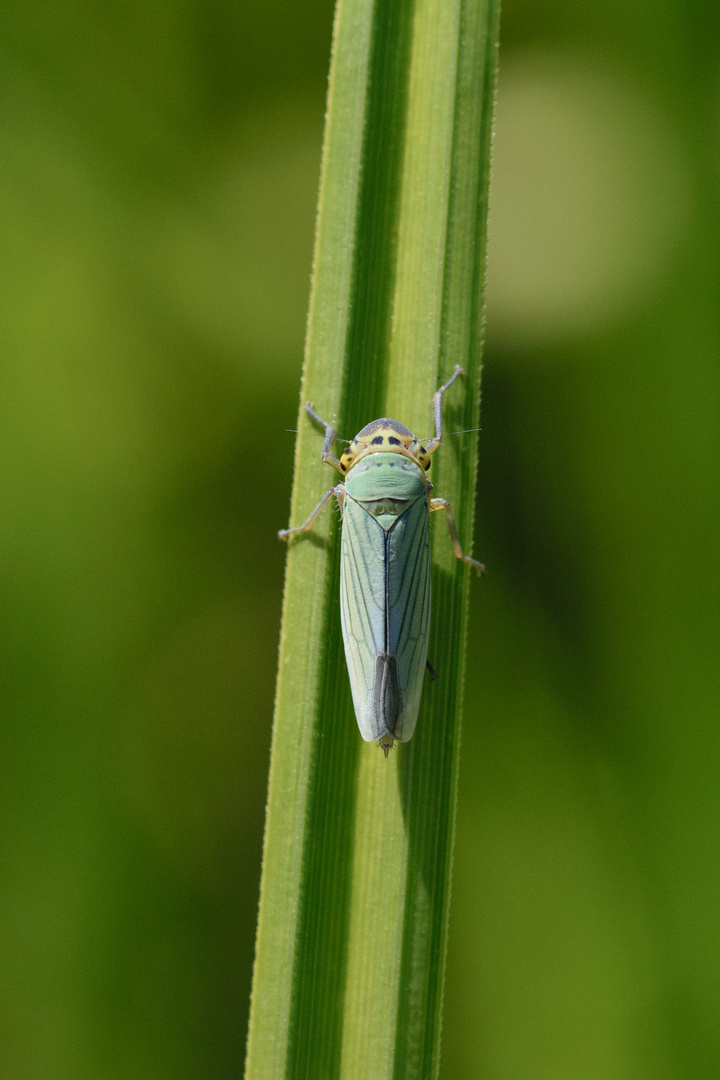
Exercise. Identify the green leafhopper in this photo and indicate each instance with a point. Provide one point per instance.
(385, 567)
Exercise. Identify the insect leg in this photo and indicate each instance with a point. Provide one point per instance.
(433, 444)
(443, 504)
(327, 457)
(338, 492)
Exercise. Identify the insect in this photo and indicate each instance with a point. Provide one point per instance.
(385, 567)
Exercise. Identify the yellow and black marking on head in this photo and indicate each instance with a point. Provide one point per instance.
(384, 436)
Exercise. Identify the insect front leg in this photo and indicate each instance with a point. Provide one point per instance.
(433, 444)
(443, 504)
(327, 457)
(338, 491)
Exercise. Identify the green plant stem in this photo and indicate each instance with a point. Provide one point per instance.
(355, 891)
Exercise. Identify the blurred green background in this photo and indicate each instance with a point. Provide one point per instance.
(158, 175)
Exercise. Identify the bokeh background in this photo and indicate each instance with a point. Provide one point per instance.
(158, 175)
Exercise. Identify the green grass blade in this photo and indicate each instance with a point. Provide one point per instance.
(354, 900)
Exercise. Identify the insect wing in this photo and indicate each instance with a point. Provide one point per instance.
(362, 607)
(385, 612)
(408, 596)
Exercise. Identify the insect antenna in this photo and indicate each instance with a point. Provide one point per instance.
(447, 435)
(467, 431)
(294, 431)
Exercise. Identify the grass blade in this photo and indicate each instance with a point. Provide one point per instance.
(353, 914)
